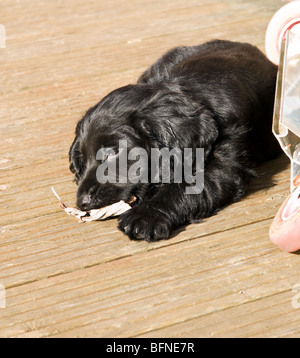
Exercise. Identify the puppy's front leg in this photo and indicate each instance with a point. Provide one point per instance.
(225, 179)
(154, 219)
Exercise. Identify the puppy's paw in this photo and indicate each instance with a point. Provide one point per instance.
(143, 223)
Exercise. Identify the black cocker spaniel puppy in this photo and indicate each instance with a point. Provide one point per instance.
(217, 96)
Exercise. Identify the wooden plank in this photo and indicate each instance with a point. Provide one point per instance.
(146, 291)
(270, 316)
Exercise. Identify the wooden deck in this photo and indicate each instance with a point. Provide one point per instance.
(219, 278)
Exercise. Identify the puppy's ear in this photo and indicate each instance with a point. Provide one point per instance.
(172, 119)
(162, 118)
(75, 156)
(208, 130)
(159, 134)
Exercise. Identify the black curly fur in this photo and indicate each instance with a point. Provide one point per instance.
(217, 96)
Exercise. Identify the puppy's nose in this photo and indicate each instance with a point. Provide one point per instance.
(84, 202)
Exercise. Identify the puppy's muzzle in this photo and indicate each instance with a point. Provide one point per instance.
(84, 202)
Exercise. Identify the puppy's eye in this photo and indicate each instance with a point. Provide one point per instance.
(107, 153)
(113, 153)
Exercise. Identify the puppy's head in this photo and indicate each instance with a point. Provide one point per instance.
(114, 139)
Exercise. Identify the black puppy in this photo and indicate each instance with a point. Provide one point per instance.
(217, 96)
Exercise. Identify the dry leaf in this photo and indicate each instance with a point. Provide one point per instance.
(95, 214)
